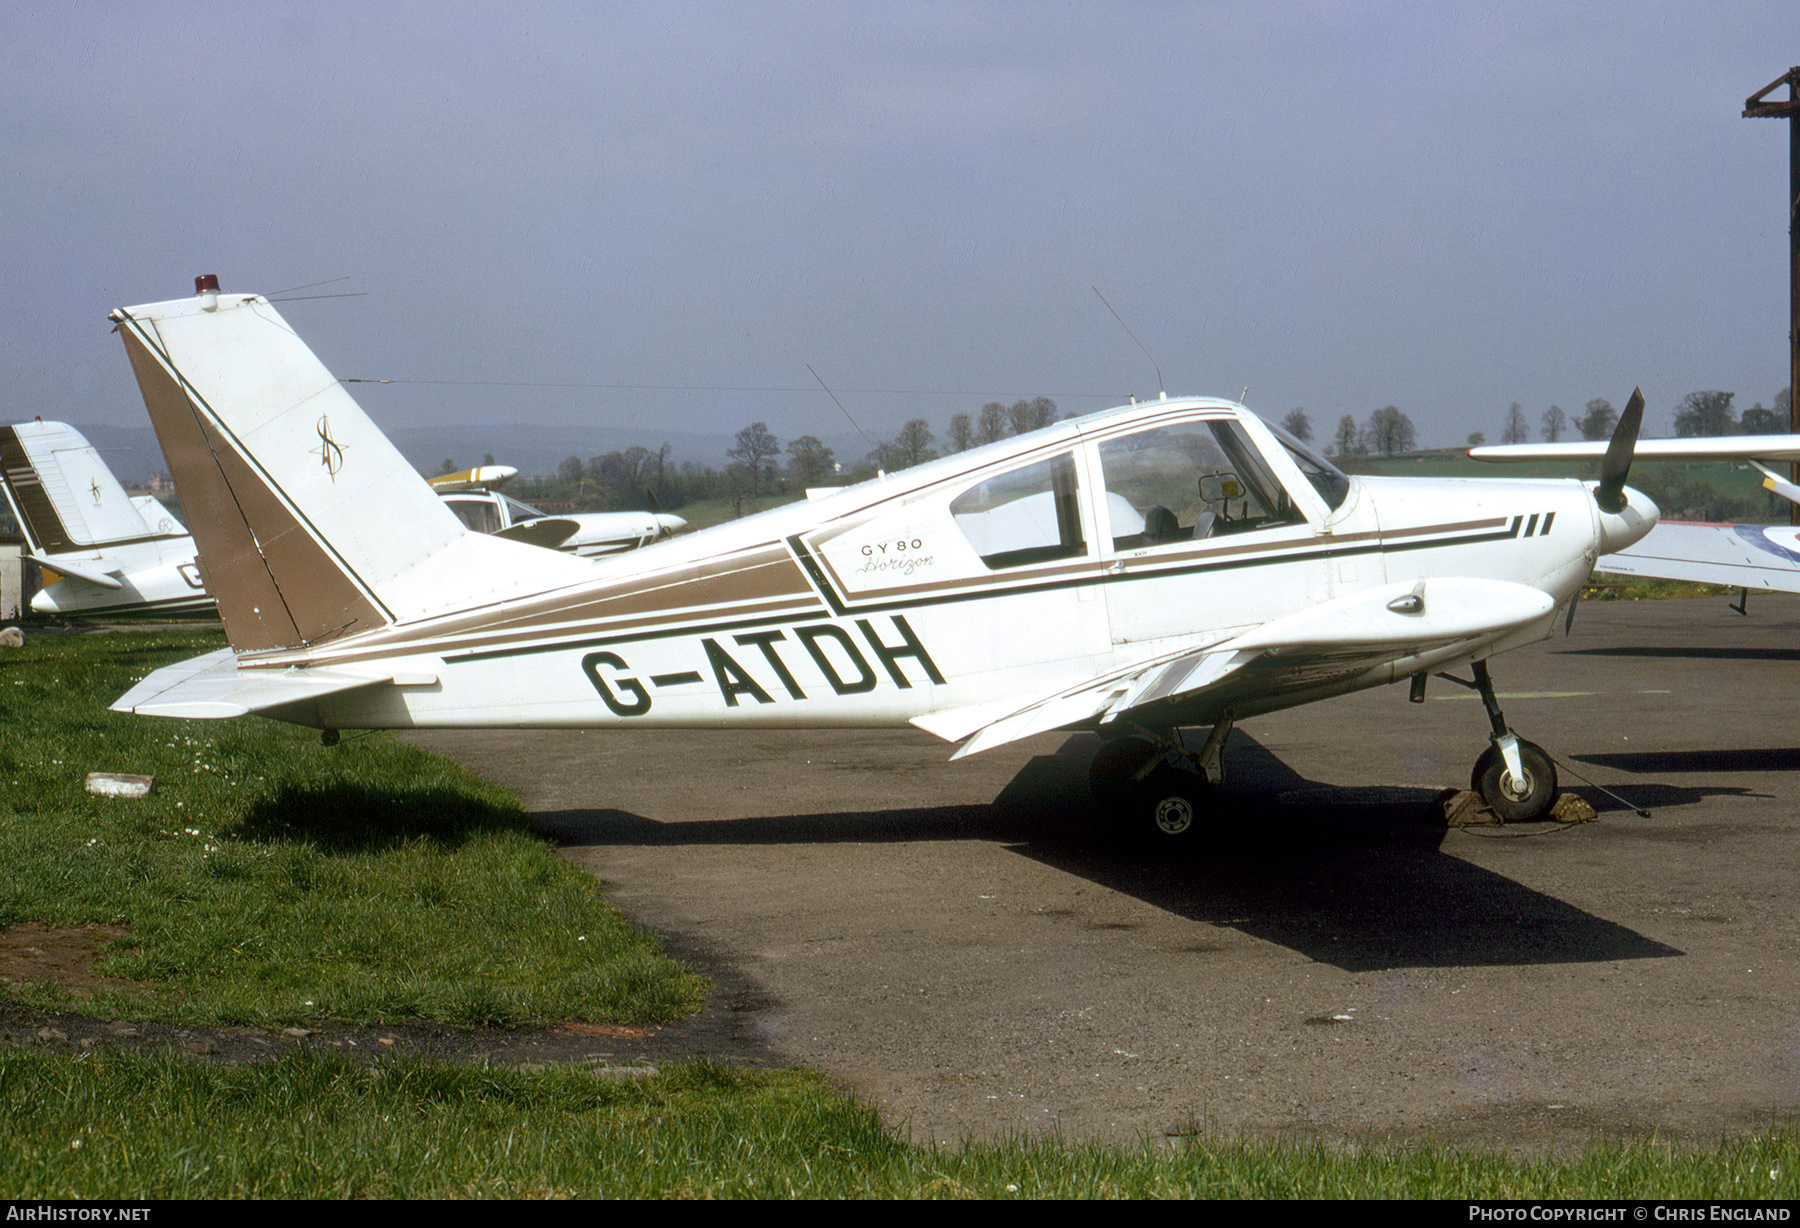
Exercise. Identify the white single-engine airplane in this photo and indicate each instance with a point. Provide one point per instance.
(1765, 557)
(473, 496)
(1168, 565)
(102, 551)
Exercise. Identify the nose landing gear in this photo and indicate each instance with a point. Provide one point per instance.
(1514, 777)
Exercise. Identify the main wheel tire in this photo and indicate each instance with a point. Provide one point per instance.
(1166, 809)
(1111, 771)
(1516, 801)
(1171, 807)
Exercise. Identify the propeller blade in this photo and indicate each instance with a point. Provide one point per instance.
(662, 530)
(1610, 494)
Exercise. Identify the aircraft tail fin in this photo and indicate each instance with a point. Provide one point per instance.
(309, 524)
(64, 496)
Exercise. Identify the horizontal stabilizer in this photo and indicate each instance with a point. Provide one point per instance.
(98, 572)
(212, 687)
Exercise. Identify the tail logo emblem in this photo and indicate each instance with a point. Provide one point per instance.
(330, 454)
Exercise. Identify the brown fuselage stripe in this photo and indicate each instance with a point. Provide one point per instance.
(764, 581)
(559, 628)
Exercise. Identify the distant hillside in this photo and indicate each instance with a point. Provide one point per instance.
(132, 453)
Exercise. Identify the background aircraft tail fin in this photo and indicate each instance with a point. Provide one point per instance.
(65, 497)
(309, 524)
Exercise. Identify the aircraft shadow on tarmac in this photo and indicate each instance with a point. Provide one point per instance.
(1353, 878)
(1726, 759)
(1692, 652)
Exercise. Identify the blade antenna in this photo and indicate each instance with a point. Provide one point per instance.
(1610, 494)
(1161, 391)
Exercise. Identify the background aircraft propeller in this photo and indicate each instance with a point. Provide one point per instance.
(662, 530)
(1610, 494)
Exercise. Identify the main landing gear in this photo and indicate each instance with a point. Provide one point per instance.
(1162, 790)
(1514, 777)
(1166, 792)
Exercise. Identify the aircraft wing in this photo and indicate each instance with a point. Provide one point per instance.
(547, 531)
(1712, 448)
(482, 477)
(213, 687)
(1760, 556)
(1391, 621)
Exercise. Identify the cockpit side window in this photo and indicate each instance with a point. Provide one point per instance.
(1326, 478)
(1030, 515)
(1190, 481)
(521, 512)
(477, 513)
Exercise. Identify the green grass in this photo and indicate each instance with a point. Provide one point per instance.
(1605, 587)
(117, 1125)
(270, 880)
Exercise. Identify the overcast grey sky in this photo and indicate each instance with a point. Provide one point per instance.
(1340, 205)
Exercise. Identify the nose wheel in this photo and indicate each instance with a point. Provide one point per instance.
(1524, 797)
(1514, 777)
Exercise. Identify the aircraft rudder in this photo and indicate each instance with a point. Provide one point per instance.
(258, 436)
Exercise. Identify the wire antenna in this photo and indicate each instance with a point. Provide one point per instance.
(309, 285)
(840, 405)
(1160, 390)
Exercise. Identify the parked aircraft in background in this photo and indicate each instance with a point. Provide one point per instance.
(1748, 556)
(101, 551)
(1168, 565)
(475, 497)
(104, 552)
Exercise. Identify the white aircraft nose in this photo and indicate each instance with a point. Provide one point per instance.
(1629, 524)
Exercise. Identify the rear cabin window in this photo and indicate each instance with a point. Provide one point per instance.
(1030, 515)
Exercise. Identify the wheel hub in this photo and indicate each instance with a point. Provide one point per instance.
(1515, 789)
(1174, 815)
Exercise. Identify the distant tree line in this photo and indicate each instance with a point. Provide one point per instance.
(1385, 432)
(1697, 414)
(639, 477)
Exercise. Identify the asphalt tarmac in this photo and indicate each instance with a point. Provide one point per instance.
(970, 947)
